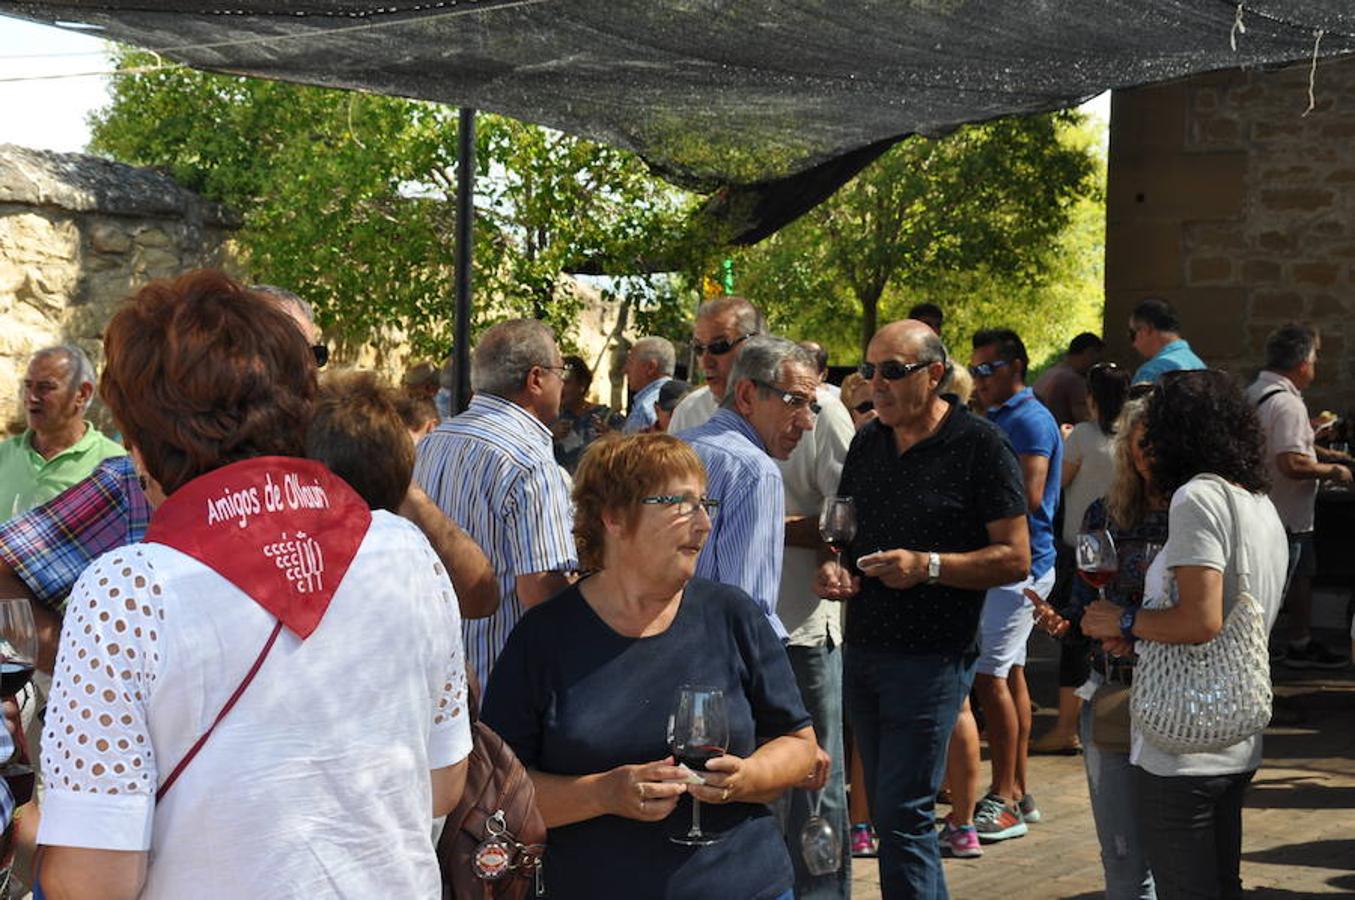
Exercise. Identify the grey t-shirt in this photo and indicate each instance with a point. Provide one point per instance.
(1200, 532)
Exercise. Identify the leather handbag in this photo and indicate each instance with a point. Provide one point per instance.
(1110, 718)
(1196, 698)
(493, 840)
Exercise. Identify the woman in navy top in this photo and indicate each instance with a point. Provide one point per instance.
(585, 686)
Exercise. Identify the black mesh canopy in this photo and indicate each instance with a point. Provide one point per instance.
(739, 94)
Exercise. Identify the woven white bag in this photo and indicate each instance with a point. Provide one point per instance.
(1197, 698)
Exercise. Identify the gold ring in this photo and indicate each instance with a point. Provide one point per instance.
(724, 795)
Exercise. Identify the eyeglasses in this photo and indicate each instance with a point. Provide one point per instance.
(562, 371)
(321, 354)
(983, 370)
(793, 400)
(891, 369)
(685, 504)
(719, 346)
(864, 406)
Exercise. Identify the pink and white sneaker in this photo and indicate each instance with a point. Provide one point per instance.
(960, 841)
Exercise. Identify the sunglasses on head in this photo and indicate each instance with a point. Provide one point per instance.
(321, 354)
(983, 370)
(891, 370)
(864, 407)
(719, 346)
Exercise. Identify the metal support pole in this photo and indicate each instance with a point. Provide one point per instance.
(465, 228)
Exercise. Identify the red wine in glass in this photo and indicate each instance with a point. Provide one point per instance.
(1097, 561)
(14, 676)
(837, 525)
(698, 732)
(695, 758)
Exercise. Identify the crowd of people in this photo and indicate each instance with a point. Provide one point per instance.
(280, 594)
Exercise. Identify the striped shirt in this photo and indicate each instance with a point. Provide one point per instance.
(642, 414)
(492, 470)
(747, 535)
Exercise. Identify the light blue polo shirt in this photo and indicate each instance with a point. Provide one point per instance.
(1176, 355)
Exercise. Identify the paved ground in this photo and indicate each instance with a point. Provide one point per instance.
(1298, 827)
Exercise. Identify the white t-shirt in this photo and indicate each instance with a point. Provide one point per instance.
(1200, 532)
(1094, 450)
(316, 784)
(811, 474)
(1285, 424)
(695, 409)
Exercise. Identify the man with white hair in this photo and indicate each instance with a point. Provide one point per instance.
(722, 325)
(59, 447)
(492, 470)
(649, 366)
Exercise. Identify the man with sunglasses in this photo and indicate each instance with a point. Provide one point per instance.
(940, 519)
(722, 326)
(999, 364)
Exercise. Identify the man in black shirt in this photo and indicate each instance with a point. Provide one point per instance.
(941, 517)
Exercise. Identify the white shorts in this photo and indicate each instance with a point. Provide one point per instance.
(1008, 617)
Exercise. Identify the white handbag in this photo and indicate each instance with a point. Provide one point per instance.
(1197, 698)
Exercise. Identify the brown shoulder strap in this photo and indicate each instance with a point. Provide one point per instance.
(197, 745)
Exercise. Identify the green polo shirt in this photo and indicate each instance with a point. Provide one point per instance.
(26, 479)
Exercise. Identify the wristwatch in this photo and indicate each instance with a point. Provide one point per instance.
(1127, 622)
(933, 567)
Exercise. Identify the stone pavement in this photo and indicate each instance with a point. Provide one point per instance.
(1298, 825)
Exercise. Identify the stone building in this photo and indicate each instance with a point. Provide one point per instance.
(77, 235)
(1228, 201)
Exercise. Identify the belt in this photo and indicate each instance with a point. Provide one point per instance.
(1114, 669)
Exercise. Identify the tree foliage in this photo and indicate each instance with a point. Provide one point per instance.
(348, 198)
(995, 222)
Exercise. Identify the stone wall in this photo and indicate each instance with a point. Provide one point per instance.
(77, 235)
(1229, 202)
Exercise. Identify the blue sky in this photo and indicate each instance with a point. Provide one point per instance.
(51, 114)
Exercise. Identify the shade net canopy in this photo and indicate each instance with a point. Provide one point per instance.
(775, 103)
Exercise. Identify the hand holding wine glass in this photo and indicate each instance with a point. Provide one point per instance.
(837, 525)
(699, 733)
(18, 655)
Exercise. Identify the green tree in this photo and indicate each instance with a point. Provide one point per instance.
(978, 221)
(348, 198)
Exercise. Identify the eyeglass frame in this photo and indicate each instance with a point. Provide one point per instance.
(864, 407)
(700, 349)
(902, 369)
(792, 400)
(988, 369)
(709, 504)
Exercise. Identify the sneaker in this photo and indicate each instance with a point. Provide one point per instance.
(1030, 813)
(961, 841)
(997, 820)
(864, 841)
(1313, 656)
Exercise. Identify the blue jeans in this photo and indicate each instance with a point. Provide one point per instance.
(818, 672)
(903, 707)
(1113, 786)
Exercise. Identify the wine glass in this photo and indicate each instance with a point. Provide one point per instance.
(699, 732)
(1097, 561)
(837, 525)
(18, 654)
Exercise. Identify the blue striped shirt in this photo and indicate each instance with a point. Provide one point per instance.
(642, 413)
(747, 536)
(492, 470)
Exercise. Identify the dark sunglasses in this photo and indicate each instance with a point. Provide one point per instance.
(719, 346)
(891, 370)
(321, 354)
(864, 406)
(983, 370)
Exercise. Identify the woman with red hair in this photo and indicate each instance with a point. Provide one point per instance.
(222, 658)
